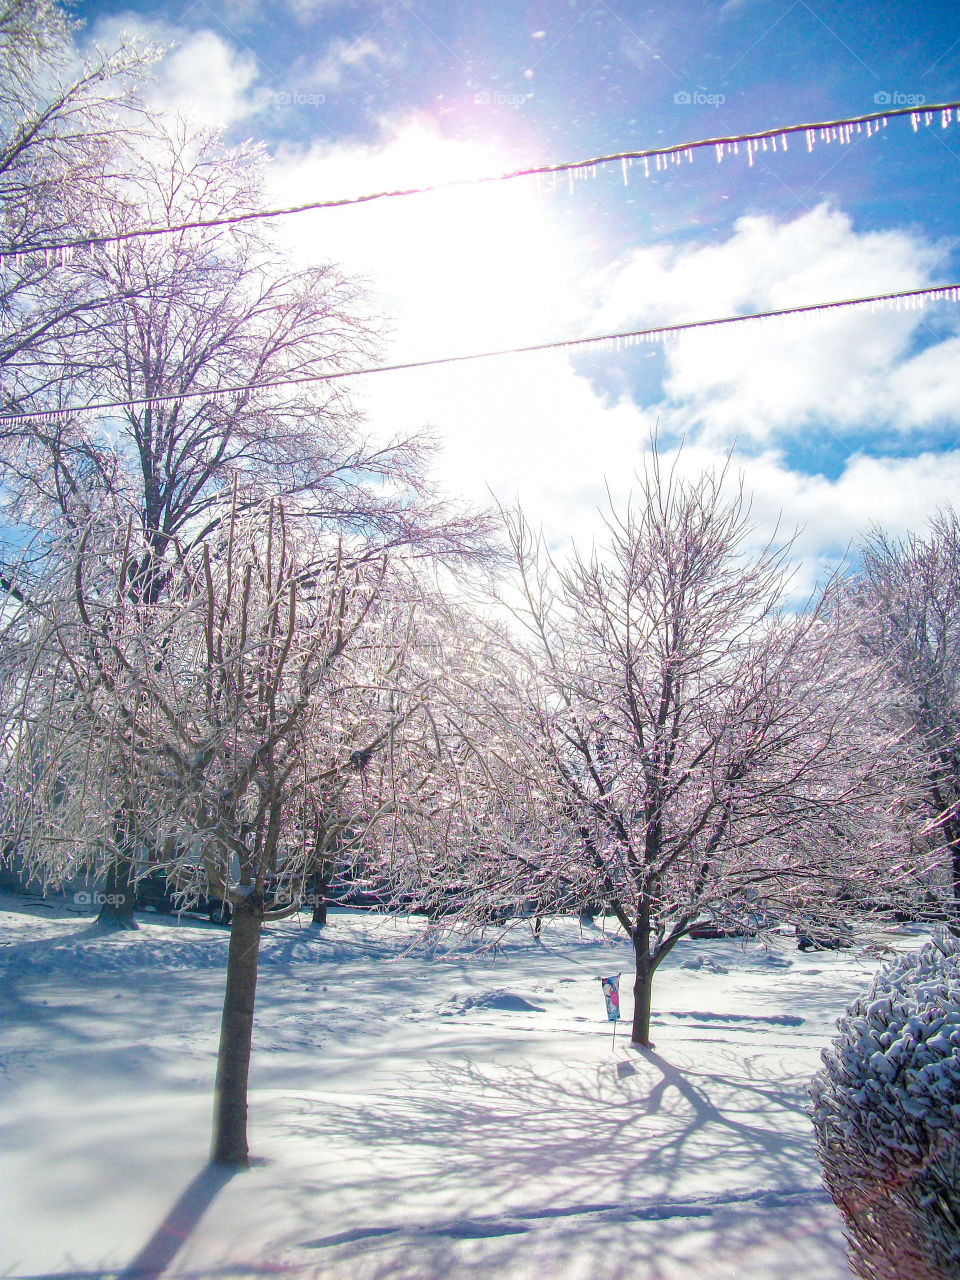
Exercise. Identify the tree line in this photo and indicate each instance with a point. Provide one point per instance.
(249, 644)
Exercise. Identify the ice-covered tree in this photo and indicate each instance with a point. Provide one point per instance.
(275, 686)
(909, 593)
(201, 314)
(208, 311)
(65, 123)
(667, 737)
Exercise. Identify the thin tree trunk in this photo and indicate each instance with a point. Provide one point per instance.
(954, 847)
(119, 897)
(642, 1000)
(236, 1034)
(321, 883)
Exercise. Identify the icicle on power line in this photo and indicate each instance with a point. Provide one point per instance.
(842, 131)
(907, 299)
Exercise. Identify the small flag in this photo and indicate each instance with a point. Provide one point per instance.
(611, 994)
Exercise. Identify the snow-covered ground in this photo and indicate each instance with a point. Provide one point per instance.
(412, 1117)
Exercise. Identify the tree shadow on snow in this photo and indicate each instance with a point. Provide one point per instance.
(648, 1152)
(179, 1224)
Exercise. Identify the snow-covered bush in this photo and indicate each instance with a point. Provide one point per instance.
(886, 1108)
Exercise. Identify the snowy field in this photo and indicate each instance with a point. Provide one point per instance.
(412, 1117)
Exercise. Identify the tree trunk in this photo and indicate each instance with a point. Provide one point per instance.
(954, 847)
(642, 999)
(321, 883)
(236, 1034)
(119, 897)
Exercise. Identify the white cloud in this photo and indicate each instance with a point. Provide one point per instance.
(925, 390)
(752, 381)
(202, 76)
(306, 11)
(485, 267)
(342, 59)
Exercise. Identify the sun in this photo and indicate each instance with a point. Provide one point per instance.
(463, 268)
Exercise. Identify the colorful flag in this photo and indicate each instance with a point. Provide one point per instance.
(611, 994)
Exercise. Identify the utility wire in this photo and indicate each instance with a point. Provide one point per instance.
(942, 292)
(840, 130)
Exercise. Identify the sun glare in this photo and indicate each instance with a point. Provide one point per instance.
(457, 269)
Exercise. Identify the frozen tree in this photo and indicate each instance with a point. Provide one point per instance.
(909, 592)
(668, 738)
(270, 697)
(203, 312)
(64, 127)
(886, 1109)
(210, 311)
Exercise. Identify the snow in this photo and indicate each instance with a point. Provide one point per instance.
(410, 1116)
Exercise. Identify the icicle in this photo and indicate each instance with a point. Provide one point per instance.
(570, 181)
(915, 120)
(783, 141)
(690, 155)
(623, 170)
(810, 136)
(773, 143)
(764, 143)
(736, 148)
(646, 166)
(719, 150)
(749, 155)
(928, 118)
(945, 118)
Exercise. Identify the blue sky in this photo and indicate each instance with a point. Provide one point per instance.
(837, 422)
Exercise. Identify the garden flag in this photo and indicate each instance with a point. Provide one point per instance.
(611, 993)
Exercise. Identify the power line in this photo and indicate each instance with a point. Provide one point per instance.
(841, 130)
(942, 292)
